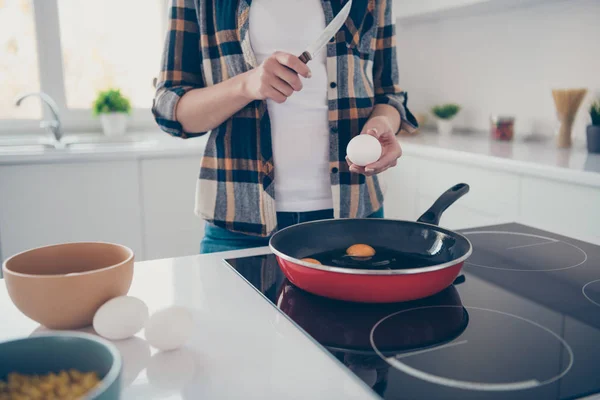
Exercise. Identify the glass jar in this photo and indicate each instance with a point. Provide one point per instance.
(502, 128)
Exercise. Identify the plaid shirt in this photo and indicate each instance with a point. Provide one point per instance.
(208, 43)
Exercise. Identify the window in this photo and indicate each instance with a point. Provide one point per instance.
(18, 59)
(120, 46)
(71, 49)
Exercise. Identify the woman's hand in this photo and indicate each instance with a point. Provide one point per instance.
(380, 127)
(276, 78)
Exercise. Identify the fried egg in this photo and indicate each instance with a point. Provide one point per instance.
(360, 250)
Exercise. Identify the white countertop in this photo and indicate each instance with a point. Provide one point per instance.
(523, 155)
(136, 145)
(242, 347)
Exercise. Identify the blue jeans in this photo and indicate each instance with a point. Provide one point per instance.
(218, 239)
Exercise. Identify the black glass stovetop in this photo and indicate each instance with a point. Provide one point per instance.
(521, 322)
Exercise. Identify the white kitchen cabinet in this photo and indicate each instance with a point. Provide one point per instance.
(400, 190)
(495, 197)
(493, 194)
(560, 206)
(415, 184)
(459, 216)
(146, 201)
(43, 204)
(171, 229)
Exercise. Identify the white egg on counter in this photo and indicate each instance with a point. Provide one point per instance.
(170, 328)
(120, 318)
(363, 150)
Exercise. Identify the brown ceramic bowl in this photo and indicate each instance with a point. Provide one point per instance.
(62, 286)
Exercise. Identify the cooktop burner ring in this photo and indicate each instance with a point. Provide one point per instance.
(469, 385)
(547, 240)
(586, 295)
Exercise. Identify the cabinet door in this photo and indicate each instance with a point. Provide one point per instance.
(53, 203)
(493, 196)
(400, 189)
(414, 185)
(572, 210)
(171, 229)
(460, 217)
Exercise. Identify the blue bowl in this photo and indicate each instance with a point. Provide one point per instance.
(45, 353)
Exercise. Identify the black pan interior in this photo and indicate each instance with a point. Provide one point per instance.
(429, 244)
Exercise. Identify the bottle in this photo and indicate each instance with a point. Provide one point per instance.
(502, 127)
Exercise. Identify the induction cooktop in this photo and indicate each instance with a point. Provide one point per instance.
(521, 322)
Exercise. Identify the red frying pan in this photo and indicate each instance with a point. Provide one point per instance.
(413, 260)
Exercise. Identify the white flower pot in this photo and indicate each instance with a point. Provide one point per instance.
(444, 127)
(114, 124)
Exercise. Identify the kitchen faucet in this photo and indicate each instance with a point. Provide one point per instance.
(54, 126)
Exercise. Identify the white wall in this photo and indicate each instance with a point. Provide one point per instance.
(504, 63)
(413, 8)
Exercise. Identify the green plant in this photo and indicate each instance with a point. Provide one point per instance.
(595, 113)
(111, 100)
(446, 111)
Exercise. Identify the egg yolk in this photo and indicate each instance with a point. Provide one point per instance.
(360, 250)
(311, 260)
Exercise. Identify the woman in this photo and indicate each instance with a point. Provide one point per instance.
(279, 128)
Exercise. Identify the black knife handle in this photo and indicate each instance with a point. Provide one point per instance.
(305, 57)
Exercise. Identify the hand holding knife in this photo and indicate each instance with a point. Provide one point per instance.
(277, 77)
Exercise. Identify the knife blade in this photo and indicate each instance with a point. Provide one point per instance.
(327, 34)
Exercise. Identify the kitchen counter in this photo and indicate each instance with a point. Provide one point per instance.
(528, 156)
(95, 147)
(525, 155)
(242, 347)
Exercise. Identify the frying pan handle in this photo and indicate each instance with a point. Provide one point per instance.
(433, 215)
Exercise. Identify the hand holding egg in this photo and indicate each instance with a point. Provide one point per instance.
(363, 150)
(375, 150)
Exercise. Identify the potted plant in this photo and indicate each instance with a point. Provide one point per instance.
(445, 113)
(113, 109)
(593, 130)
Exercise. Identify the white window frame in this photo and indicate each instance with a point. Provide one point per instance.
(51, 78)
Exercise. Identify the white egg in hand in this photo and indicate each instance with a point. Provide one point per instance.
(170, 328)
(363, 150)
(120, 318)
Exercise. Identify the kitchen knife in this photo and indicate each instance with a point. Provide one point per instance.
(327, 34)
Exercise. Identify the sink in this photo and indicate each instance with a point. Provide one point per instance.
(98, 138)
(26, 148)
(114, 146)
(25, 140)
(88, 142)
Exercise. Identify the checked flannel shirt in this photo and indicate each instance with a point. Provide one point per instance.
(208, 42)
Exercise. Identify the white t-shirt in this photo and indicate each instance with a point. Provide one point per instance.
(299, 127)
